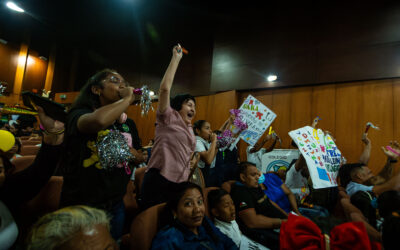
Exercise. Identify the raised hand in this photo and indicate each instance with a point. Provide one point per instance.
(177, 52)
(392, 151)
(365, 139)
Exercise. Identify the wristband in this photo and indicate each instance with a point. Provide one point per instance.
(391, 149)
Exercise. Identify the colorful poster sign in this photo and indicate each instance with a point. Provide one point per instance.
(322, 156)
(277, 158)
(258, 118)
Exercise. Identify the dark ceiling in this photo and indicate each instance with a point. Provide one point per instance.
(304, 42)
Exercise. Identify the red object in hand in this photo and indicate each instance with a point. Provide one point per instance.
(185, 51)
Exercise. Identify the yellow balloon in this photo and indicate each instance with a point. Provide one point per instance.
(7, 140)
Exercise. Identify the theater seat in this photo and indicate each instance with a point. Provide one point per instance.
(29, 150)
(205, 194)
(30, 142)
(145, 227)
(228, 185)
(23, 162)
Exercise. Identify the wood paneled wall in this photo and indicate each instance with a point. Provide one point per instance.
(344, 110)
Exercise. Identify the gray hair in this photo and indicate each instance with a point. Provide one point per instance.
(54, 229)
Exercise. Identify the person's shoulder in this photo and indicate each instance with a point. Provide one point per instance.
(78, 111)
(239, 189)
(168, 234)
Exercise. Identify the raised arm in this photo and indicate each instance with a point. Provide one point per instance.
(364, 158)
(254, 220)
(106, 115)
(209, 155)
(166, 82)
(392, 156)
(260, 144)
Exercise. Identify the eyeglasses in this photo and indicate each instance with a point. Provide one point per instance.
(117, 80)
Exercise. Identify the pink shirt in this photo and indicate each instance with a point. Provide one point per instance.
(173, 145)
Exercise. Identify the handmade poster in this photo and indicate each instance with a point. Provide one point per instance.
(277, 158)
(322, 156)
(258, 118)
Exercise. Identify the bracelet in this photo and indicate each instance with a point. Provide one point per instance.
(391, 149)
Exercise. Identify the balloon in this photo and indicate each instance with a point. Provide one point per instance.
(7, 140)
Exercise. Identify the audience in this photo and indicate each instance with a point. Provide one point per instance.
(258, 216)
(261, 210)
(74, 227)
(190, 228)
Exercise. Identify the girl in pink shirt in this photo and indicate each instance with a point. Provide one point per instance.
(174, 141)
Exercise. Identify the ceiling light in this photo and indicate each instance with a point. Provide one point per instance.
(14, 7)
(271, 78)
(151, 93)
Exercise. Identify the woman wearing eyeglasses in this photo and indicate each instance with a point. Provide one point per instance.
(95, 113)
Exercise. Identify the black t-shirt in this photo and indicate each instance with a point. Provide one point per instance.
(85, 182)
(245, 197)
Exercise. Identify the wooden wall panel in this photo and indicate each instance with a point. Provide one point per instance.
(396, 115)
(323, 105)
(8, 65)
(201, 108)
(35, 74)
(144, 124)
(348, 120)
(378, 109)
(300, 107)
(219, 106)
(281, 100)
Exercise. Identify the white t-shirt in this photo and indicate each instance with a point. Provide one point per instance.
(8, 228)
(297, 183)
(231, 229)
(201, 146)
(255, 157)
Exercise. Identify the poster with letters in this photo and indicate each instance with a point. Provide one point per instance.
(322, 156)
(258, 118)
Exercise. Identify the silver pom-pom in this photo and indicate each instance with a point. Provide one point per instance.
(145, 101)
(113, 151)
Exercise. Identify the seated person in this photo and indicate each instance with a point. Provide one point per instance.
(279, 193)
(297, 179)
(358, 177)
(222, 209)
(254, 154)
(257, 214)
(190, 229)
(75, 227)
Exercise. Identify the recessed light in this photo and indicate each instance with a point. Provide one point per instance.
(14, 7)
(271, 78)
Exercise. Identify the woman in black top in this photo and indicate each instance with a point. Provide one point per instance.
(95, 113)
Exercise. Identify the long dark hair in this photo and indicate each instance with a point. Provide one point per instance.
(198, 125)
(86, 98)
(173, 202)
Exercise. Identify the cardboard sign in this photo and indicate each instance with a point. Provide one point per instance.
(322, 156)
(277, 158)
(258, 118)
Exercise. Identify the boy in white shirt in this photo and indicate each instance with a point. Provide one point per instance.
(222, 210)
